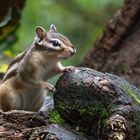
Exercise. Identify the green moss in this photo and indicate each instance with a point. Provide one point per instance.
(77, 107)
(82, 110)
(101, 110)
(96, 109)
(133, 94)
(55, 117)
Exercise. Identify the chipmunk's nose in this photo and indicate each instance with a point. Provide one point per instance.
(73, 51)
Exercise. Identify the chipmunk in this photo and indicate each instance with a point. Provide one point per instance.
(24, 82)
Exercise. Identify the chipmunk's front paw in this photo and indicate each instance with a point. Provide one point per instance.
(51, 88)
(69, 69)
(48, 87)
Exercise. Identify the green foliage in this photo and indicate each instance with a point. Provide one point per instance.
(82, 21)
(56, 118)
(3, 68)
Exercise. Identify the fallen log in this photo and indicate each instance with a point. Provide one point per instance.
(100, 104)
(24, 125)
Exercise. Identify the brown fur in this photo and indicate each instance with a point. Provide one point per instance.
(23, 83)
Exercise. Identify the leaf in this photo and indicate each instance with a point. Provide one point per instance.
(8, 53)
(3, 68)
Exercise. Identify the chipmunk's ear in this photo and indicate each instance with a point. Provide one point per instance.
(53, 28)
(40, 32)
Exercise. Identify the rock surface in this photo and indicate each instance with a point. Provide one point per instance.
(101, 104)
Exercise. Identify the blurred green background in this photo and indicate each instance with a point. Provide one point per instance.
(82, 21)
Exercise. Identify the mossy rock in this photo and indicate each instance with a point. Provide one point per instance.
(99, 103)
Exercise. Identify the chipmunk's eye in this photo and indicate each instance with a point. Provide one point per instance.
(55, 43)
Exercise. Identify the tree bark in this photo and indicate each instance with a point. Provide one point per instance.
(117, 51)
(10, 13)
(24, 125)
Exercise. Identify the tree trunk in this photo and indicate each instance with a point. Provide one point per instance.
(118, 49)
(10, 13)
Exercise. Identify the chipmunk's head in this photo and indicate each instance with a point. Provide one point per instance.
(53, 43)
